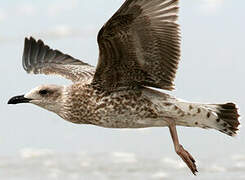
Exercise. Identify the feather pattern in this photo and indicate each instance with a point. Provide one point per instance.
(38, 58)
(139, 46)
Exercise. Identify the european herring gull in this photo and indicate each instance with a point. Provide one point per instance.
(139, 48)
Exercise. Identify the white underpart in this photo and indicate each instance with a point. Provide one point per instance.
(183, 115)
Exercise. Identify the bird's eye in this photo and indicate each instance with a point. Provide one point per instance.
(43, 92)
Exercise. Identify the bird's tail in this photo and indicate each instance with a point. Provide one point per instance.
(227, 118)
(222, 117)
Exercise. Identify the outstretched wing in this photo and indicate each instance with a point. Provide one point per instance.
(38, 58)
(139, 46)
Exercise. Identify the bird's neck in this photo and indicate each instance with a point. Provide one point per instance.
(79, 102)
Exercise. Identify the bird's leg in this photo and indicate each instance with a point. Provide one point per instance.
(186, 157)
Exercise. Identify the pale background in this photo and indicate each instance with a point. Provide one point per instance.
(211, 70)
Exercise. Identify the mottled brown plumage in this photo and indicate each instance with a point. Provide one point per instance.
(139, 47)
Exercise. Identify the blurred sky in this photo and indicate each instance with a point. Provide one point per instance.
(211, 70)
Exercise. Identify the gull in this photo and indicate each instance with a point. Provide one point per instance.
(139, 53)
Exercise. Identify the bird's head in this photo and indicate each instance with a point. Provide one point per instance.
(46, 96)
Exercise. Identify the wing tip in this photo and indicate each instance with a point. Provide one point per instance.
(25, 58)
(31, 48)
(37, 56)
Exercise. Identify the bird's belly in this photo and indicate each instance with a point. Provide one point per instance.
(125, 110)
(130, 121)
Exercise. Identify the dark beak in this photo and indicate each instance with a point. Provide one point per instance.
(18, 99)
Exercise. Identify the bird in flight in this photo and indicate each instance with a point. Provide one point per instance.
(139, 48)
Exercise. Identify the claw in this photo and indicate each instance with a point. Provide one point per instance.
(188, 159)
